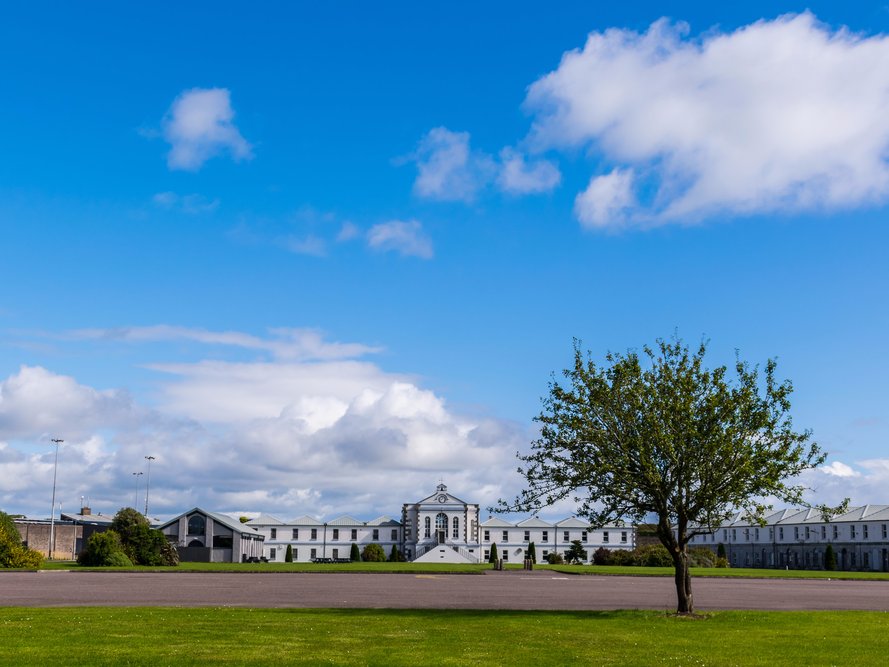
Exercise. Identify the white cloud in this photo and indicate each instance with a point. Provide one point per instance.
(607, 199)
(518, 176)
(448, 169)
(780, 115)
(199, 126)
(405, 238)
(191, 204)
(839, 469)
(318, 436)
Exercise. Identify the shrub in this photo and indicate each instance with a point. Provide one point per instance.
(532, 552)
(142, 544)
(701, 557)
(830, 558)
(104, 549)
(12, 552)
(555, 559)
(576, 553)
(623, 557)
(288, 555)
(720, 550)
(601, 556)
(395, 556)
(654, 555)
(354, 553)
(721, 562)
(493, 557)
(373, 553)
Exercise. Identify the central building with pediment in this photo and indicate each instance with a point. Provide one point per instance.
(440, 525)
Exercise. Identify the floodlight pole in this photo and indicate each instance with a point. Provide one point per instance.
(148, 483)
(136, 503)
(52, 513)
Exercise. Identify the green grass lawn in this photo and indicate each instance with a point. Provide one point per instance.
(179, 636)
(444, 568)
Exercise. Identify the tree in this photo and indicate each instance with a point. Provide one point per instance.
(288, 555)
(720, 550)
(12, 552)
(532, 552)
(830, 558)
(104, 549)
(395, 556)
(354, 554)
(493, 557)
(373, 553)
(576, 553)
(142, 544)
(663, 435)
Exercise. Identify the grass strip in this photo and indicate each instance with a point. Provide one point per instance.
(234, 636)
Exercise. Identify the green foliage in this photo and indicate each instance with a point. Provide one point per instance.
(601, 556)
(532, 552)
(576, 553)
(830, 558)
(395, 556)
(354, 554)
(720, 550)
(554, 558)
(721, 562)
(493, 557)
(288, 555)
(104, 549)
(701, 557)
(12, 552)
(141, 543)
(243, 519)
(373, 553)
(663, 435)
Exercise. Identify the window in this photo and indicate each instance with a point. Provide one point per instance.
(273, 553)
(296, 554)
(296, 533)
(725, 535)
(756, 534)
(355, 534)
(823, 532)
(222, 541)
(566, 536)
(605, 536)
(884, 531)
(545, 536)
(314, 534)
(734, 535)
(336, 553)
(428, 527)
(487, 555)
(527, 536)
(771, 533)
(196, 524)
(487, 536)
(583, 536)
(313, 554)
(852, 530)
(376, 534)
(336, 535)
(505, 555)
(796, 532)
(274, 533)
(781, 532)
(623, 536)
(506, 536)
(864, 531)
(836, 532)
(746, 534)
(456, 528)
(807, 532)
(394, 534)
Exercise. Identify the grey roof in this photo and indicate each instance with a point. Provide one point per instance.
(572, 522)
(534, 522)
(497, 522)
(265, 520)
(229, 522)
(345, 520)
(95, 519)
(305, 520)
(384, 521)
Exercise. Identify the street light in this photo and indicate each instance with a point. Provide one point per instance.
(52, 513)
(137, 475)
(148, 483)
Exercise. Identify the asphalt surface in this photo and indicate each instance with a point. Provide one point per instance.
(493, 590)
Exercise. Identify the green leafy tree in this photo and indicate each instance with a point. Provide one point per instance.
(355, 554)
(830, 558)
(12, 552)
(663, 435)
(532, 552)
(104, 549)
(373, 553)
(601, 556)
(720, 550)
(493, 557)
(395, 556)
(140, 542)
(576, 553)
(288, 555)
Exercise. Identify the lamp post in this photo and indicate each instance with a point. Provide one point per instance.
(137, 475)
(148, 483)
(52, 513)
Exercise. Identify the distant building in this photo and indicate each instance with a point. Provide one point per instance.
(439, 528)
(209, 537)
(798, 539)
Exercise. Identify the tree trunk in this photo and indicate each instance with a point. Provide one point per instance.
(685, 600)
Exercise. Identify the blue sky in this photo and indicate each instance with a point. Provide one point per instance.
(316, 257)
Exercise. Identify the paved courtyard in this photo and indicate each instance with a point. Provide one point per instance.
(493, 590)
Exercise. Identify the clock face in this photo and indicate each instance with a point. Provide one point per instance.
(442, 499)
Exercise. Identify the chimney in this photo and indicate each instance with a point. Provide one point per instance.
(85, 511)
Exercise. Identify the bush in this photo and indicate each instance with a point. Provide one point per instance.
(104, 549)
(373, 553)
(142, 544)
(354, 553)
(830, 558)
(721, 562)
(701, 557)
(623, 557)
(654, 555)
(395, 556)
(493, 557)
(720, 550)
(288, 555)
(532, 552)
(576, 553)
(12, 552)
(555, 559)
(601, 556)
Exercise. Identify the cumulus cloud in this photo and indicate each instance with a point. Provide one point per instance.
(320, 435)
(606, 200)
(781, 115)
(518, 176)
(863, 482)
(199, 126)
(405, 238)
(191, 204)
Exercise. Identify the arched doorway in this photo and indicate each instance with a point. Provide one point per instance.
(441, 527)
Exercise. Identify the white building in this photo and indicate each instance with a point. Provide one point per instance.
(438, 528)
(798, 539)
